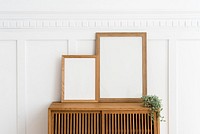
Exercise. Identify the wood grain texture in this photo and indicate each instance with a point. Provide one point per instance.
(97, 106)
(97, 66)
(144, 63)
(63, 79)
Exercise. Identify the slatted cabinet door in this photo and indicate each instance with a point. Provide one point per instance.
(77, 122)
(128, 122)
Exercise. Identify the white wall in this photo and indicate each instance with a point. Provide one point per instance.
(31, 45)
(99, 5)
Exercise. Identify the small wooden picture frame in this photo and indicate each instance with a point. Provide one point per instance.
(78, 78)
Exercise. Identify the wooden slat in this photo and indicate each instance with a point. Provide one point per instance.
(118, 123)
(145, 123)
(139, 123)
(136, 123)
(131, 123)
(52, 124)
(113, 124)
(142, 124)
(65, 124)
(148, 124)
(82, 123)
(56, 125)
(151, 126)
(76, 114)
(155, 124)
(115, 120)
(89, 123)
(74, 123)
(103, 124)
(128, 123)
(92, 123)
(86, 123)
(107, 123)
(110, 123)
(95, 123)
(70, 117)
(61, 123)
(98, 125)
(124, 123)
(158, 126)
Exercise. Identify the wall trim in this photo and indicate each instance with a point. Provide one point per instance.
(122, 20)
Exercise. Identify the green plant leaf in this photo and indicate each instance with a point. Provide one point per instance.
(154, 103)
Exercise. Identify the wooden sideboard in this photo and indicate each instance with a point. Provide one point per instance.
(100, 118)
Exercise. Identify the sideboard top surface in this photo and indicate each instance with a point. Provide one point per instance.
(97, 106)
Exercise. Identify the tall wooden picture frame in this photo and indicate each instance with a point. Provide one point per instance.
(122, 67)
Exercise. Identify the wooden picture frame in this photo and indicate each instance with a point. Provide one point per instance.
(78, 68)
(120, 37)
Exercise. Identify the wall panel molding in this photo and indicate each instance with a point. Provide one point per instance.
(8, 87)
(172, 108)
(21, 86)
(99, 20)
